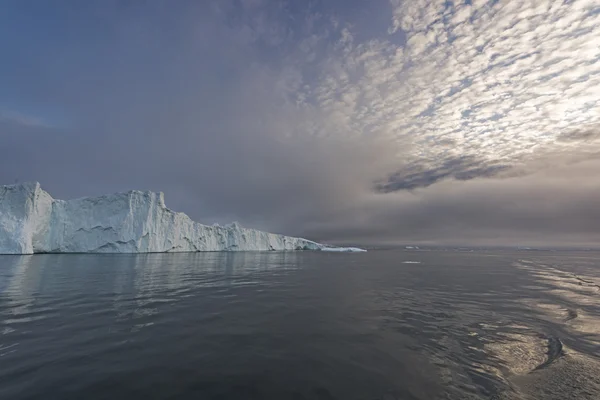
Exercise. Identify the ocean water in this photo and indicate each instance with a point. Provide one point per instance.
(387, 324)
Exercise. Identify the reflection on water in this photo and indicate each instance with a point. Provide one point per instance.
(301, 325)
(144, 279)
(24, 276)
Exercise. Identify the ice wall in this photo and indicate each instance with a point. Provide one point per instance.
(31, 221)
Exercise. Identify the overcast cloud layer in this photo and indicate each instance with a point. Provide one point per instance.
(421, 121)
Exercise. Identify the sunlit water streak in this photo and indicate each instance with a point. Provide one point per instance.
(386, 324)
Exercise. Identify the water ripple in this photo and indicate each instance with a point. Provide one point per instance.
(299, 325)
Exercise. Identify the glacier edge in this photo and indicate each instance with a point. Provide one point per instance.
(31, 221)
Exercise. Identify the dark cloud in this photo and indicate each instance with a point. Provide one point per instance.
(587, 134)
(419, 175)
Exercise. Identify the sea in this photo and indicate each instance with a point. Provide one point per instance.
(389, 324)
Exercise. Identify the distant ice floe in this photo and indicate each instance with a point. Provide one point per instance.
(411, 262)
(343, 249)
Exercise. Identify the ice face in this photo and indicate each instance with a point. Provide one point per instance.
(25, 212)
(31, 221)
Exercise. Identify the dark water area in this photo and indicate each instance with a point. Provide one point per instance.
(387, 324)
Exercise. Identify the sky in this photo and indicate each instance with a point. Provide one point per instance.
(344, 121)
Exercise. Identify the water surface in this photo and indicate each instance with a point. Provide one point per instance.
(387, 324)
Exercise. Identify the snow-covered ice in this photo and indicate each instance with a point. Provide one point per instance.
(31, 221)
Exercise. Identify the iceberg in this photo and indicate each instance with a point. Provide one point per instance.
(343, 249)
(31, 221)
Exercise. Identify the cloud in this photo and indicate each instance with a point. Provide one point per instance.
(11, 117)
(479, 118)
(553, 207)
(462, 168)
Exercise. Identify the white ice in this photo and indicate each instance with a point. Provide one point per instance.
(343, 249)
(31, 221)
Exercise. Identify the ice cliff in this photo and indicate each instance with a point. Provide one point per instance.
(31, 221)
